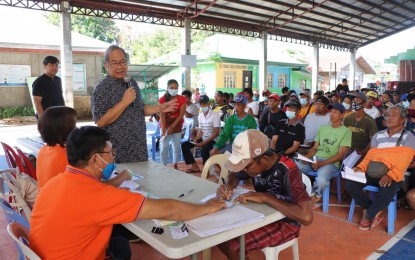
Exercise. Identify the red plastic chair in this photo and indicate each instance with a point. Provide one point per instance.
(11, 157)
(29, 169)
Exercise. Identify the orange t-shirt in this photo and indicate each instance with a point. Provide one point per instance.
(74, 214)
(50, 161)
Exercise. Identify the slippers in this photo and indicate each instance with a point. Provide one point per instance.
(192, 171)
(376, 221)
(364, 226)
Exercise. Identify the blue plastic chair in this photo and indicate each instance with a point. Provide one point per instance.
(326, 191)
(392, 209)
(154, 137)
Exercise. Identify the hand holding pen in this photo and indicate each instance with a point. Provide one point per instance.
(224, 192)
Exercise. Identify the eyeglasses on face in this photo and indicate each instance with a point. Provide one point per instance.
(113, 152)
(115, 64)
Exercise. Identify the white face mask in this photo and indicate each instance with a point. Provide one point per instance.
(205, 109)
(346, 106)
(405, 103)
(173, 92)
(290, 114)
(303, 101)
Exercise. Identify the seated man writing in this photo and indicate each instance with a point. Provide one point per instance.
(395, 148)
(74, 213)
(329, 147)
(277, 182)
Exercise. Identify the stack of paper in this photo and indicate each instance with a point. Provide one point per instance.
(224, 220)
(131, 185)
(305, 159)
(350, 174)
(230, 203)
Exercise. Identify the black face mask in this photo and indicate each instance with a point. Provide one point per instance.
(356, 106)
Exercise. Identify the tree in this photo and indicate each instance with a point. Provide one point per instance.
(99, 28)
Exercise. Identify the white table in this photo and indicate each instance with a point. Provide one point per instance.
(166, 182)
(33, 144)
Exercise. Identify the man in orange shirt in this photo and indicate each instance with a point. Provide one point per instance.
(74, 213)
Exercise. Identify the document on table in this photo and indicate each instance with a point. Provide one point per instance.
(131, 185)
(303, 158)
(224, 220)
(236, 192)
(134, 176)
(350, 174)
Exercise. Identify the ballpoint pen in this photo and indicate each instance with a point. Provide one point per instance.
(187, 193)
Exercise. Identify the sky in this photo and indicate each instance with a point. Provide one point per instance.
(377, 51)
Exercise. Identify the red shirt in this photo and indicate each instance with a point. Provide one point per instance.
(181, 100)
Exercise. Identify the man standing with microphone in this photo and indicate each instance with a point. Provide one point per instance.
(118, 108)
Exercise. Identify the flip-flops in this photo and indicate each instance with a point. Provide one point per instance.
(364, 226)
(192, 171)
(376, 221)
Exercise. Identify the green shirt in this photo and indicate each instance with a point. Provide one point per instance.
(330, 139)
(233, 126)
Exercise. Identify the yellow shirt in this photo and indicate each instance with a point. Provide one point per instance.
(304, 110)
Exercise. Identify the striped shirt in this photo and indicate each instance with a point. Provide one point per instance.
(208, 123)
(382, 139)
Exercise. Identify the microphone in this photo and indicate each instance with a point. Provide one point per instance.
(127, 79)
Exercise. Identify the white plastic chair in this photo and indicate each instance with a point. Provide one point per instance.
(20, 235)
(219, 159)
(17, 201)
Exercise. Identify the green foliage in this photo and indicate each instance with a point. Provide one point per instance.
(99, 28)
(7, 112)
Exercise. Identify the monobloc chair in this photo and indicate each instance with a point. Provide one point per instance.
(16, 199)
(11, 215)
(326, 191)
(11, 157)
(29, 169)
(20, 235)
(271, 253)
(392, 211)
(219, 159)
(154, 137)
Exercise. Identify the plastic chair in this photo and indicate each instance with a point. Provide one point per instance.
(271, 253)
(11, 215)
(392, 209)
(29, 169)
(16, 200)
(20, 235)
(219, 159)
(154, 137)
(326, 191)
(11, 157)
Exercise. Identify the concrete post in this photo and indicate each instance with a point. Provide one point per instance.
(262, 84)
(66, 54)
(186, 43)
(352, 70)
(314, 75)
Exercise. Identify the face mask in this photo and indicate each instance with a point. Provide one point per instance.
(255, 98)
(205, 109)
(265, 99)
(290, 114)
(173, 92)
(107, 171)
(346, 106)
(303, 101)
(411, 113)
(405, 103)
(357, 106)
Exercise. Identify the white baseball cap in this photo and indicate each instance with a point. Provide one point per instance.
(247, 145)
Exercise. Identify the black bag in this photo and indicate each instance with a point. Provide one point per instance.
(377, 170)
(269, 129)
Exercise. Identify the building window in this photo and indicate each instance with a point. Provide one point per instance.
(270, 80)
(282, 80)
(229, 79)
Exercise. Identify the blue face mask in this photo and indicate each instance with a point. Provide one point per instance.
(303, 101)
(255, 98)
(265, 99)
(346, 106)
(107, 171)
(405, 103)
(173, 92)
(205, 109)
(290, 114)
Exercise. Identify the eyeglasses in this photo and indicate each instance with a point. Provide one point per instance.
(254, 160)
(115, 64)
(113, 152)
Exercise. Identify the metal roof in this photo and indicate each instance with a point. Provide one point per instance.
(334, 24)
(148, 73)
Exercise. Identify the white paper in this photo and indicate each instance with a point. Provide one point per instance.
(163, 223)
(303, 158)
(131, 185)
(350, 174)
(229, 203)
(177, 233)
(134, 176)
(351, 160)
(224, 220)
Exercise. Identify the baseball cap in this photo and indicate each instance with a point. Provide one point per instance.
(387, 104)
(275, 96)
(372, 94)
(293, 103)
(240, 98)
(204, 99)
(323, 100)
(247, 145)
(266, 92)
(339, 107)
(361, 95)
(305, 92)
(404, 96)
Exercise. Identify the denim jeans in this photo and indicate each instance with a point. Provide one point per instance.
(324, 174)
(164, 148)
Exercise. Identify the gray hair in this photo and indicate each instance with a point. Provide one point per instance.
(112, 48)
(401, 109)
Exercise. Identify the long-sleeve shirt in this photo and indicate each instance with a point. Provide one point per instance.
(233, 126)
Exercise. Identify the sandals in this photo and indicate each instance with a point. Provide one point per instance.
(364, 226)
(192, 171)
(376, 221)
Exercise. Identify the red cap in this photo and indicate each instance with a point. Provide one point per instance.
(274, 96)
